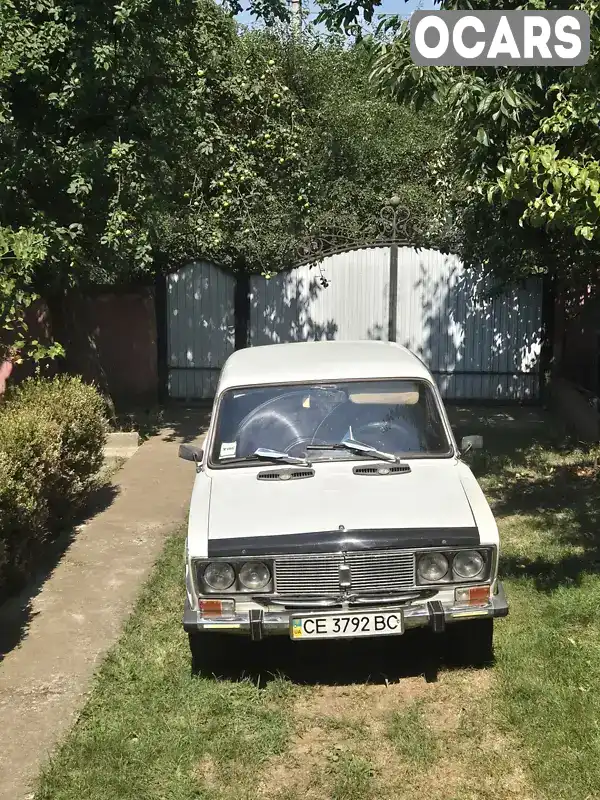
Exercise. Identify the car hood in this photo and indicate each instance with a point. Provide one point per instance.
(430, 496)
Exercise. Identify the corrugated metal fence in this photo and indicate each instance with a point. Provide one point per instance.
(477, 348)
(200, 328)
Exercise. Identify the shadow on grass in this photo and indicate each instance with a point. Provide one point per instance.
(417, 653)
(548, 575)
(176, 422)
(16, 612)
(565, 505)
(552, 481)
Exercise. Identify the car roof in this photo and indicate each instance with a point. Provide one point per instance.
(302, 362)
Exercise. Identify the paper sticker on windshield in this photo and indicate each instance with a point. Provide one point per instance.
(306, 403)
(227, 450)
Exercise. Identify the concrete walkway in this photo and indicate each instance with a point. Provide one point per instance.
(80, 610)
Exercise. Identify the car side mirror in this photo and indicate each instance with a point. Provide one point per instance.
(190, 452)
(471, 443)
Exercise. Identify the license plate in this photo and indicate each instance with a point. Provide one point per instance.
(341, 626)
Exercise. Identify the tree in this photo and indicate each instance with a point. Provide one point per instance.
(359, 148)
(306, 146)
(20, 248)
(21, 251)
(524, 140)
(137, 136)
(133, 136)
(243, 211)
(102, 103)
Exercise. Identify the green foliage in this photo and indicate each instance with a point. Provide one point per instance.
(244, 212)
(555, 171)
(347, 15)
(141, 134)
(523, 140)
(367, 149)
(100, 104)
(137, 136)
(78, 410)
(52, 435)
(271, 11)
(358, 148)
(29, 445)
(20, 253)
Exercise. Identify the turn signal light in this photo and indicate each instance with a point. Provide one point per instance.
(217, 608)
(474, 596)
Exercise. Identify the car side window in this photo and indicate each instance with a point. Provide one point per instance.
(433, 429)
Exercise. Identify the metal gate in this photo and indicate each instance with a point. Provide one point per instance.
(200, 329)
(477, 348)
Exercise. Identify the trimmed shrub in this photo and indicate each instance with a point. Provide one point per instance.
(29, 449)
(52, 435)
(78, 410)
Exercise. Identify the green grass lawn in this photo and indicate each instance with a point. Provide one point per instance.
(358, 721)
(546, 496)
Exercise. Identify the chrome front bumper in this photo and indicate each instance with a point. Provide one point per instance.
(258, 623)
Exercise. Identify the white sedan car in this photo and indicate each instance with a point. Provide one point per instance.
(331, 501)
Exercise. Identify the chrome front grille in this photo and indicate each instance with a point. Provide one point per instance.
(382, 571)
(371, 571)
(308, 574)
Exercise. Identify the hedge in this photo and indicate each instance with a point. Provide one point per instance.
(52, 436)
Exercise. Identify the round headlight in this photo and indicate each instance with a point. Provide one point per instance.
(432, 567)
(254, 575)
(468, 564)
(219, 576)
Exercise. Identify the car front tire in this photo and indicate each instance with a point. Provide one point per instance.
(471, 643)
(208, 652)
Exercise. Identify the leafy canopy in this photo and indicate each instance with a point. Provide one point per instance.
(359, 147)
(136, 136)
(525, 141)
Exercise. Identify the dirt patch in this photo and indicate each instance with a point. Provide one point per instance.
(442, 718)
(446, 710)
(361, 704)
(452, 778)
(472, 764)
(296, 772)
(206, 773)
(517, 783)
(336, 723)
(418, 738)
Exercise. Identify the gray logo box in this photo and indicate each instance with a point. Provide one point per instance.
(499, 38)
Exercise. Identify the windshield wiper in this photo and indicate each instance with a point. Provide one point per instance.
(356, 447)
(275, 455)
(267, 455)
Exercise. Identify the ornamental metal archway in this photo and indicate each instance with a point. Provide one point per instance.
(390, 228)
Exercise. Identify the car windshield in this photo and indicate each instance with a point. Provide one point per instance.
(397, 417)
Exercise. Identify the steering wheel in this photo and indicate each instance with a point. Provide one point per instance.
(406, 431)
(264, 428)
